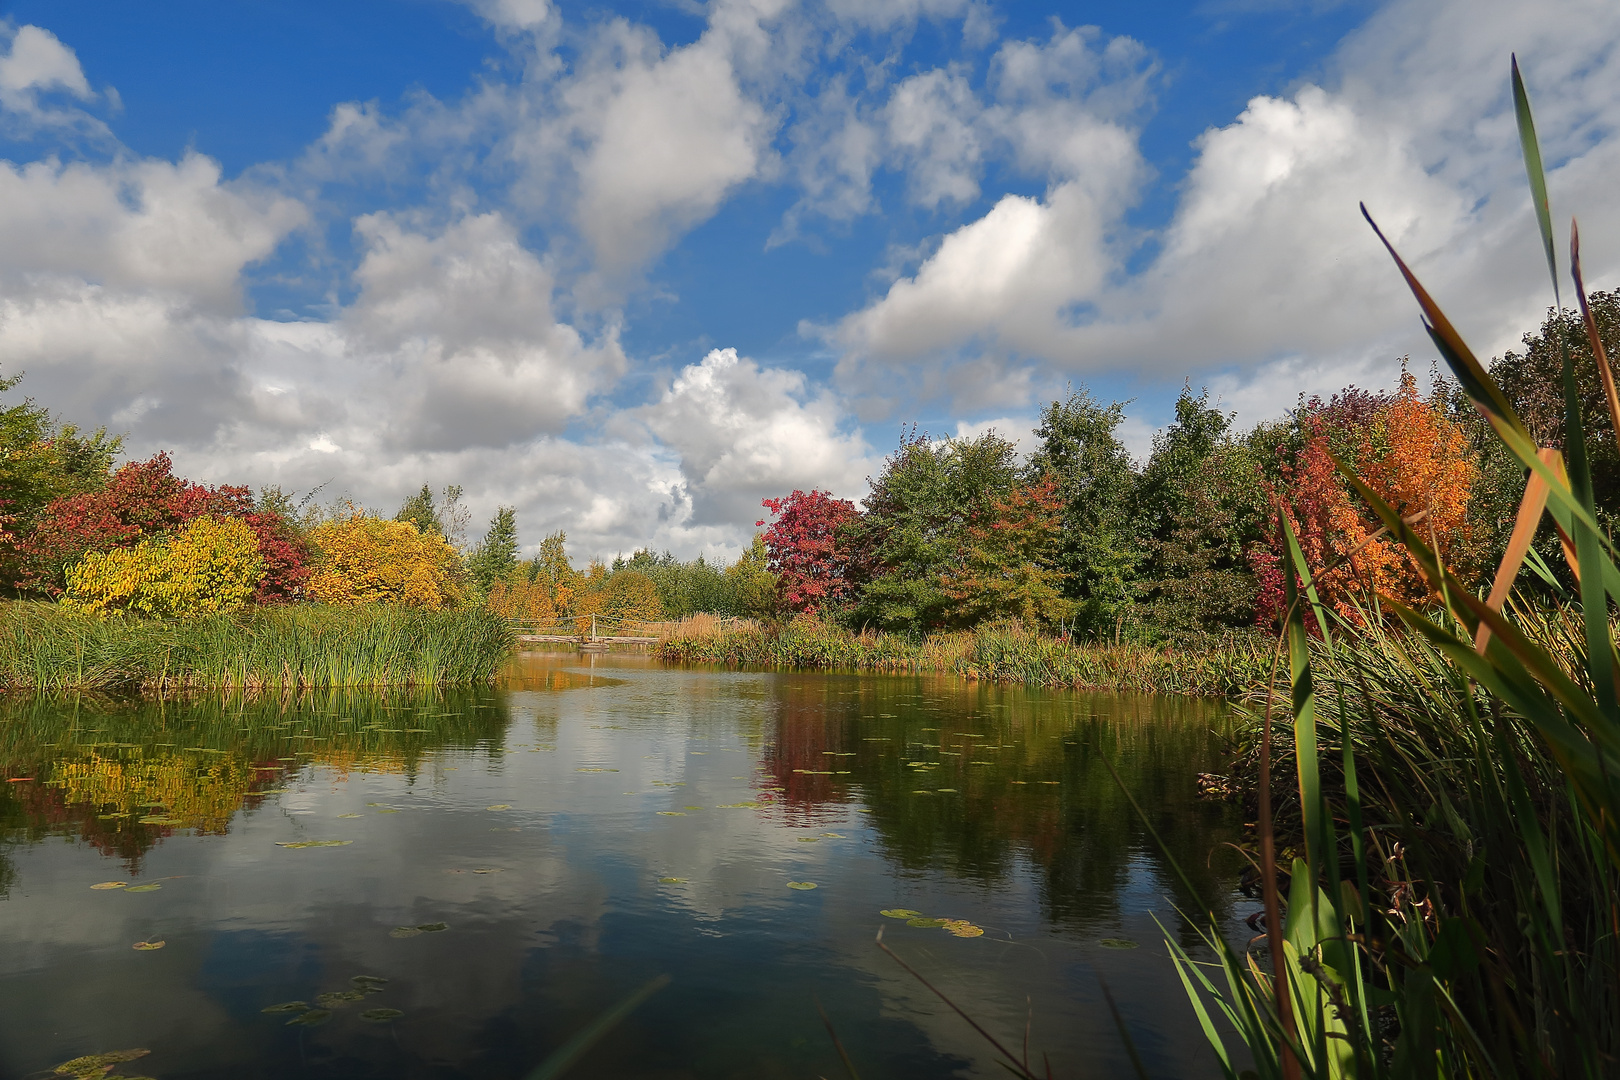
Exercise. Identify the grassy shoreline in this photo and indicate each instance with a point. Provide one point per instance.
(46, 647)
(1006, 654)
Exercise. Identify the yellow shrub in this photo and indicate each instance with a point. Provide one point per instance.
(211, 564)
(517, 598)
(365, 560)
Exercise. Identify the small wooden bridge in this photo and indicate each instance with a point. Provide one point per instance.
(592, 633)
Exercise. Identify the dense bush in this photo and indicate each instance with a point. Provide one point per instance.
(207, 566)
(366, 560)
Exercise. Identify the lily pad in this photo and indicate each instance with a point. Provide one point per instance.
(336, 999)
(671, 813)
(801, 885)
(404, 932)
(312, 1018)
(159, 819)
(900, 913)
(154, 887)
(963, 928)
(92, 1065)
(593, 769)
(672, 881)
(311, 843)
(387, 810)
(927, 924)
(499, 806)
(432, 927)
(740, 806)
(945, 791)
(110, 885)
(380, 1016)
(148, 946)
(833, 835)
(489, 870)
(369, 982)
(286, 1007)
(1118, 943)
(349, 815)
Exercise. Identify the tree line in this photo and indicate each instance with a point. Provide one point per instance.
(1080, 538)
(1076, 536)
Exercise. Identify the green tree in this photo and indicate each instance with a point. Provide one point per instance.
(42, 459)
(1098, 555)
(496, 557)
(1199, 505)
(1533, 382)
(916, 521)
(752, 585)
(420, 511)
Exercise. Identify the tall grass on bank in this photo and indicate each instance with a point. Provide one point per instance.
(1452, 902)
(46, 647)
(1004, 653)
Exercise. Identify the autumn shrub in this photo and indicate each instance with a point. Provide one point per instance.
(144, 500)
(627, 595)
(366, 560)
(812, 567)
(209, 565)
(1409, 451)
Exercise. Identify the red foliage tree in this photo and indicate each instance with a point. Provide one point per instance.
(811, 566)
(143, 499)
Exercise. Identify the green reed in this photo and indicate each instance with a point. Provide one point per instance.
(46, 647)
(1447, 798)
(1004, 653)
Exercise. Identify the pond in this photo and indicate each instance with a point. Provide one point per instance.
(457, 884)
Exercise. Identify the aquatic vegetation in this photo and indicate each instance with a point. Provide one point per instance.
(47, 647)
(1005, 652)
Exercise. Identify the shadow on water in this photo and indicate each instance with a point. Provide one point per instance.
(505, 864)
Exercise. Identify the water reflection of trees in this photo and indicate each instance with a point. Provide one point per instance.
(1025, 778)
(121, 774)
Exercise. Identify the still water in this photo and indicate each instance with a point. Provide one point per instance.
(501, 867)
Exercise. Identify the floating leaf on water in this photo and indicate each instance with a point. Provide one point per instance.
(833, 835)
(312, 1018)
(112, 817)
(1053, 782)
(490, 870)
(380, 1016)
(927, 924)
(154, 887)
(286, 1007)
(945, 791)
(809, 839)
(801, 885)
(349, 815)
(369, 982)
(671, 813)
(273, 791)
(739, 806)
(1117, 943)
(309, 843)
(159, 819)
(432, 927)
(922, 792)
(900, 913)
(499, 806)
(92, 1065)
(148, 946)
(338, 998)
(404, 932)
(963, 928)
(110, 885)
(692, 808)
(862, 810)
(672, 881)
(386, 810)
(593, 769)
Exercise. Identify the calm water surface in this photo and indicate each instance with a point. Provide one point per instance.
(587, 826)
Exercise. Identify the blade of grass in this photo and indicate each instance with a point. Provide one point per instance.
(1531, 146)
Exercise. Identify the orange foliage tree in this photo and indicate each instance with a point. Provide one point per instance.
(1403, 446)
(1008, 564)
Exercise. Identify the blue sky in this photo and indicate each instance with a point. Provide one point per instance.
(631, 267)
